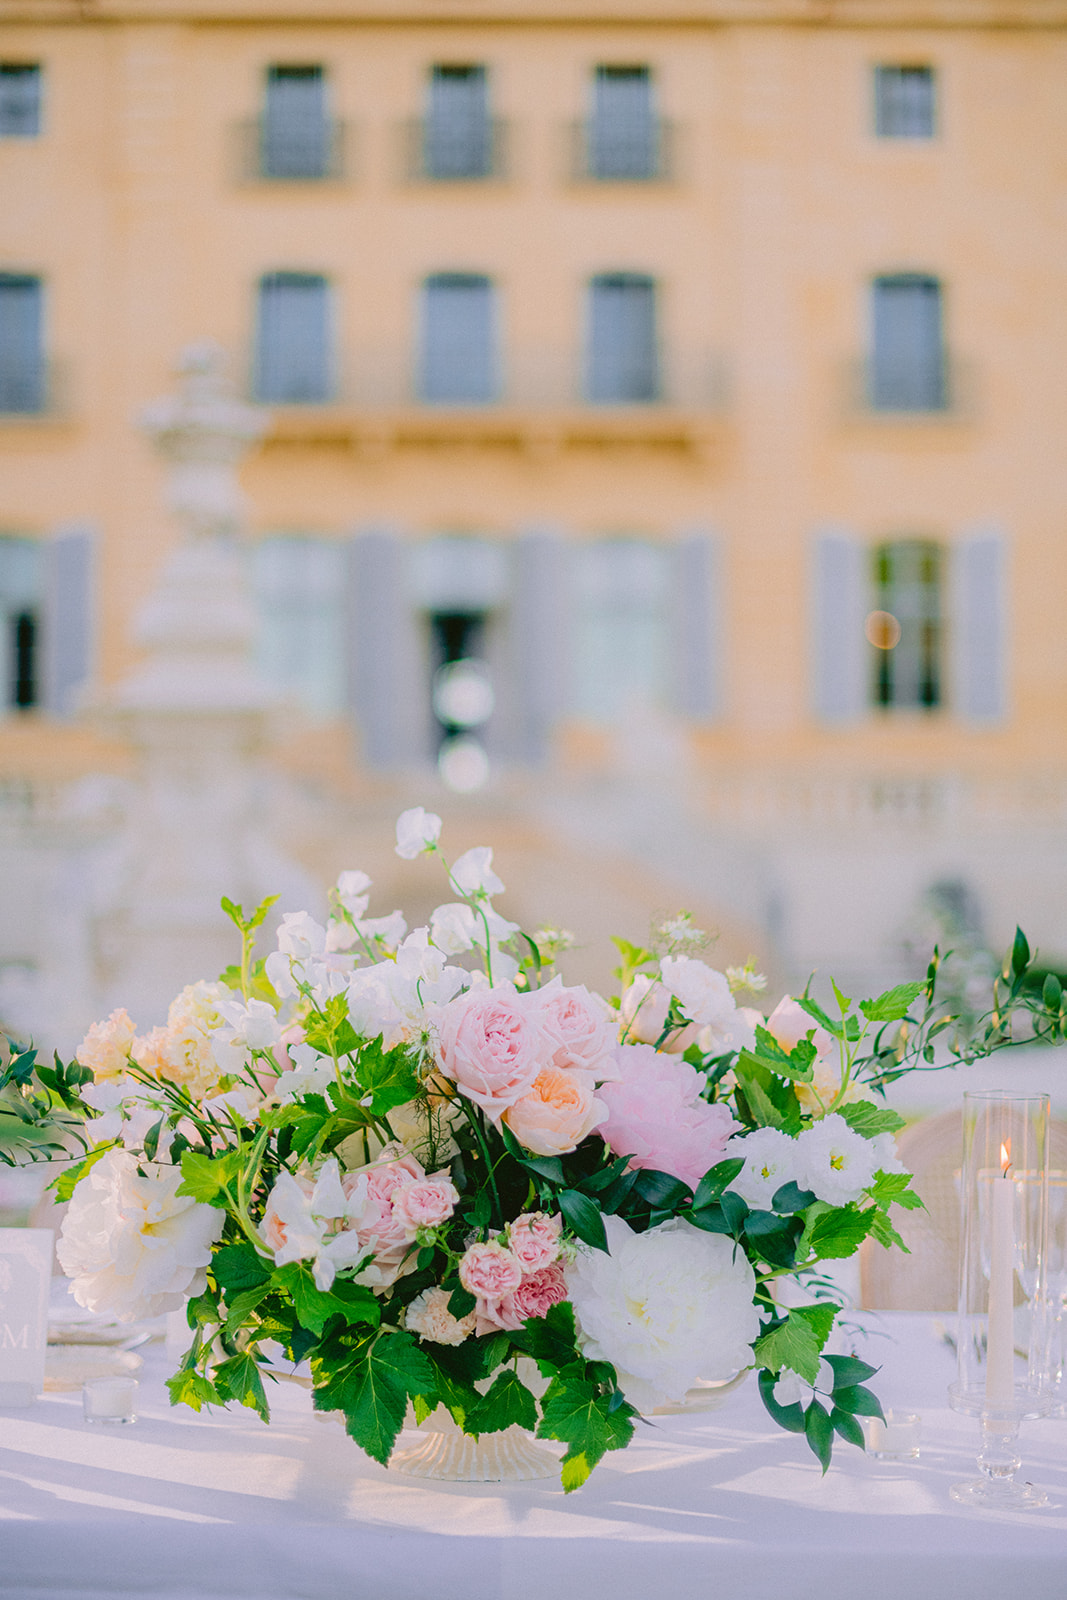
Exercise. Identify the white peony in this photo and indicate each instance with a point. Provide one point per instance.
(416, 831)
(771, 1159)
(473, 873)
(702, 993)
(836, 1162)
(666, 1307)
(133, 1246)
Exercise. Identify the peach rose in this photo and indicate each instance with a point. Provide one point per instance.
(581, 1027)
(492, 1044)
(106, 1047)
(533, 1240)
(788, 1023)
(557, 1114)
(425, 1202)
(489, 1271)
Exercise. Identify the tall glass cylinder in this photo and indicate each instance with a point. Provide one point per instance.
(1003, 1336)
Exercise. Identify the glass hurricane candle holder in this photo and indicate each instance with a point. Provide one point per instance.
(1003, 1340)
(1057, 1291)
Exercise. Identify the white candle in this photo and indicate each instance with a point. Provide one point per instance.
(1000, 1348)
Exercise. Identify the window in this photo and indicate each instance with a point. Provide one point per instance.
(458, 339)
(908, 359)
(296, 133)
(904, 629)
(623, 131)
(622, 589)
(904, 102)
(20, 627)
(299, 586)
(622, 355)
(293, 339)
(22, 379)
(20, 100)
(458, 132)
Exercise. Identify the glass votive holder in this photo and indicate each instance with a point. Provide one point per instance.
(895, 1439)
(110, 1399)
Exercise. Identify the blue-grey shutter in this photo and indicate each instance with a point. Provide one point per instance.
(67, 642)
(623, 363)
(22, 385)
(539, 652)
(458, 339)
(20, 100)
(457, 132)
(389, 686)
(296, 131)
(694, 629)
(908, 368)
(978, 626)
(840, 602)
(293, 338)
(622, 130)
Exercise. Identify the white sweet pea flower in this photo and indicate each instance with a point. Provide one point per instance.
(311, 1074)
(340, 936)
(771, 1159)
(837, 1163)
(300, 1220)
(252, 1026)
(416, 832)
(702, 993)
(453, 928)
(473, 873)
(129, 1109)
(385, 931)
(352, 892)
(301, 936)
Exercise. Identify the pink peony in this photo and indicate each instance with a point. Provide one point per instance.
(533, 1240)
(656, 1115)
(557, 1114)
(580, 1026)
(489, 1271)
(492, 1044)
(425, 1202)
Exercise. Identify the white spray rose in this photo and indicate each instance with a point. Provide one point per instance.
(771, 1159)
(416, 831)
(836, 1162)
(666, 1307)
(132, 1244)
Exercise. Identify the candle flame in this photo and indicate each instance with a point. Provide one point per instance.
(1005, 1158)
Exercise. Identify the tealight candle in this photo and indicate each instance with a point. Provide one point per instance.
(895, 1439)
(110, 1399)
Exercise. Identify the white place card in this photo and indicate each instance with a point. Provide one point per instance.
(25, 1283)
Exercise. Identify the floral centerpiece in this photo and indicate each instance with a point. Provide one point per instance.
(410, 1159)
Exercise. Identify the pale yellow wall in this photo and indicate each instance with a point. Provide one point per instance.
(784, 207)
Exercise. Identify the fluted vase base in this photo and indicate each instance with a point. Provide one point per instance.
(453, 1457)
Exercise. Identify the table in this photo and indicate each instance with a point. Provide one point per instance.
(720, 1504)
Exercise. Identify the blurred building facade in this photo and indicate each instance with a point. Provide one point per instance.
(664, 474)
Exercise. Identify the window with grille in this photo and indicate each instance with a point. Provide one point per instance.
(458, 130)
(20, 100)
(293, 356)
(20, 623)
(905, 628)
(22, 372)
(907, 370)
(458, 358)
(299, 587)
(622, 359)
(622, 136)
(905, 104)
(621, 603)
(296, 132)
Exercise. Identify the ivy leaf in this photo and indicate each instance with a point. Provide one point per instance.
(575, 1410)
(507, 1401)
(820, 1433)
(583, 1217)
(239, 1379)
(840, 1232)
(894, 1004)
(796, 1342)
(189, 1388)
(239, 1266)
(867, 1119)
(371, 1383)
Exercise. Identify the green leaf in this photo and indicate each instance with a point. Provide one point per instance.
(551, 1340)
(847, 1426)
(894, 1004)
(64, 1184)
(885, 1233)
(507, 1401)
(773, 1237)
(843, 1000)
(315, 1306)
(550, 1167)
(240, 1307)
(597, 1182)
(820, 1433)
(576, 1411)
(204, 1177)
(790, 1417)
(849, 1370)
(239, 1379)
(715, 1180)
(461, 1302)
(371, 1384)
(238, 1266)
(817, 1014)
(583, 1217)
(660, 1189)
(840, 1232)
(795, 1063)
(867, 1119)
(796, 1342)
(791, 1197)
(894, 1189)
(1020, 953)
(771, 1100)
(190, 1388)
(858, 1400)
(388, 1076)
(710, 1218)
(1052, 992)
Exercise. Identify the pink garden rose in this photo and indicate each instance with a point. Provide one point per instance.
(656, 1115)
(535, 1294)
(489, 1271)
(533, 1240)
(492, 1044)
(425, 1202)
(555, 1116)
(580, 1026)
(374, 1219)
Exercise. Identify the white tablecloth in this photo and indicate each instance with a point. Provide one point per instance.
(717, 1505)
